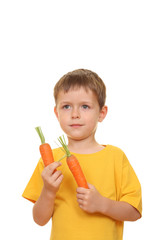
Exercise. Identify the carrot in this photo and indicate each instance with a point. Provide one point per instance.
(45, 149)
(73, 165)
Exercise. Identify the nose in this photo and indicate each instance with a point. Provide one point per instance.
(75, 113)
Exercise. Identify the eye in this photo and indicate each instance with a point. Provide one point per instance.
(85, 106)
(66, 107)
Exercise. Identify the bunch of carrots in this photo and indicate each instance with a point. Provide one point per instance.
(72, 161)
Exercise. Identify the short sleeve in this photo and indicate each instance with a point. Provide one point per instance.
(35, 184)
(130, 186)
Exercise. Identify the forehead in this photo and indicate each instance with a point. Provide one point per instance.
(76, 94)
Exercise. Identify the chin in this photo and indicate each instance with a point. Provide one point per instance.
(76, 137)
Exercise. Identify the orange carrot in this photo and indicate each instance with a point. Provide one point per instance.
(74, 165)
(45, 149)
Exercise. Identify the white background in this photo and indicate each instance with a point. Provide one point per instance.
(42, 40)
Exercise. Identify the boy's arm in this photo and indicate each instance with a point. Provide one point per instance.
(44, 206)
(90, 200)
(120, 211)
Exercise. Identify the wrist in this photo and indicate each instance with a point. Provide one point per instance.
(105, 206)
(49, 194)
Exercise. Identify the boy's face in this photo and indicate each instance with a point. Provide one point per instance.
(78, 113)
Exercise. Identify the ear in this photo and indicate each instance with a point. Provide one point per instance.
(55, 111)
(103, 113)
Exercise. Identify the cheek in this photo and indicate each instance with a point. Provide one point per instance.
(60, 115)
(63, 120)
(91, 118)
(92, 122)
(63, 124)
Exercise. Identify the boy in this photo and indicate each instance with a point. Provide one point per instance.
(114, 193)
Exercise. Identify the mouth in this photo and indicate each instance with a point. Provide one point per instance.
(76, 125)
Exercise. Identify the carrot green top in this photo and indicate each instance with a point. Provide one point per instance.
(64, 148)
(40, 133)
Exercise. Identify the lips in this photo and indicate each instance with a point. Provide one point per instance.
(76, 125)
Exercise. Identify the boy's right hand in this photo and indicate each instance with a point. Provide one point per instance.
(51, 179)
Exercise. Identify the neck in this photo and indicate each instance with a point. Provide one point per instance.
(84, 146)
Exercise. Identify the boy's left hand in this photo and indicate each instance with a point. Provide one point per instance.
(89, 199)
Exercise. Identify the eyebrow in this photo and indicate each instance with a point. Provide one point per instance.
(68, 102)
(64, 102)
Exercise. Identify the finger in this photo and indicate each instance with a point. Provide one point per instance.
(80, 201)
(51, 167)
(56, 175)
(58, 180)
(80, 196)
(81, 190)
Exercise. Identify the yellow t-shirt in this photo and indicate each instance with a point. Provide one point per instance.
(111, 173)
